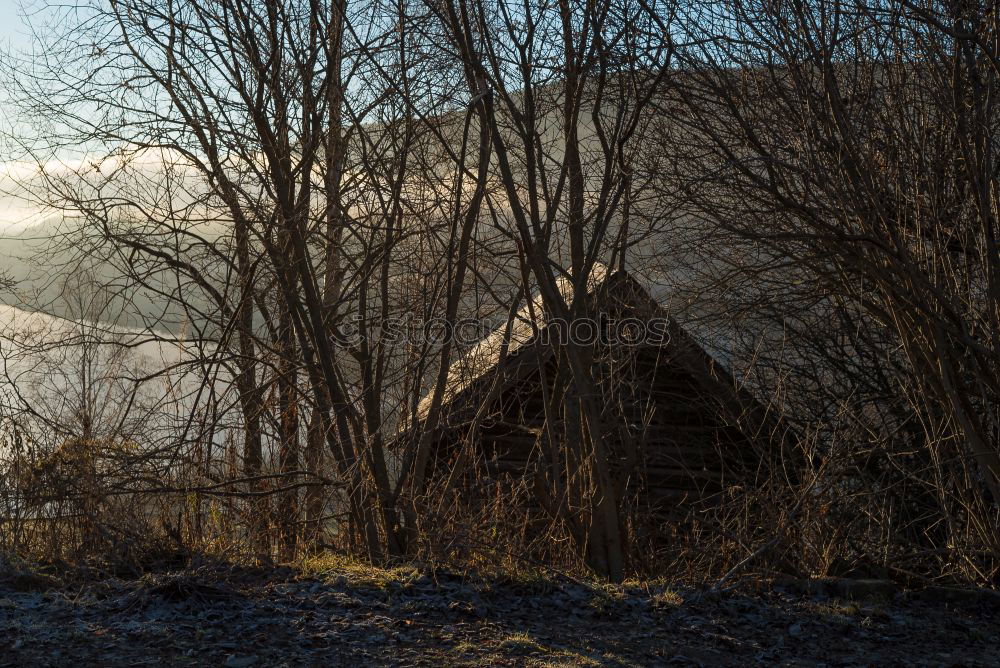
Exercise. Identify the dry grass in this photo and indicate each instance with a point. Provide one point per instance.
(779, 527)
(329, 566)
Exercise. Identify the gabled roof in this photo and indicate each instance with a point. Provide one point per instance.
(484, 357)
(480, 366)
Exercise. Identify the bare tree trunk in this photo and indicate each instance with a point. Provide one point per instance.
(288, 453)
(315, 494)
(250, 393)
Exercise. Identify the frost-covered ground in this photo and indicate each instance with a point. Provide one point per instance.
(337, 616)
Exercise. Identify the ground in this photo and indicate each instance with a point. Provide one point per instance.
(334, 614)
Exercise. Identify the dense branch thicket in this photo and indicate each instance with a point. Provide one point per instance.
(270, 222)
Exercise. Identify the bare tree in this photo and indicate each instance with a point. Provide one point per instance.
(852, 142)
(559, 98)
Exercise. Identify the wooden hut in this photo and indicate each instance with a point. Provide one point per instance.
(682, 429)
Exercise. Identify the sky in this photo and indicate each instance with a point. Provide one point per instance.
(13, 36)
(11, 25)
